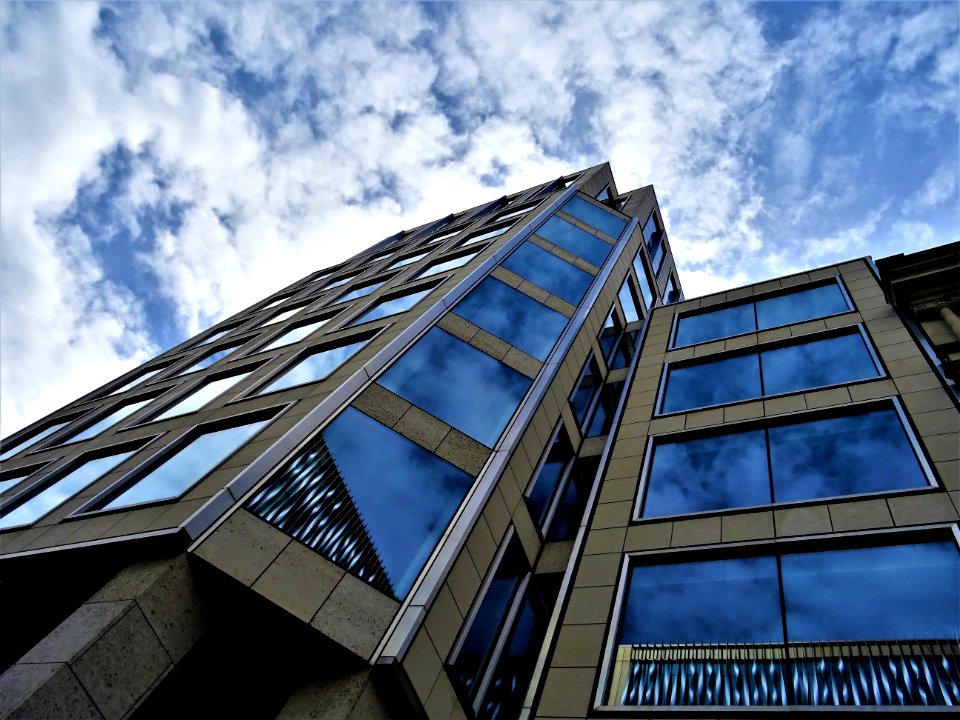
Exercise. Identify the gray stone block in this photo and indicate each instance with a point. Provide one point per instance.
(48, 691)
(355, 616)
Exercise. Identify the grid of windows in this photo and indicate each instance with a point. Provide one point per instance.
(33, 438)
(315, 365)
(201, 396)
(122, 411)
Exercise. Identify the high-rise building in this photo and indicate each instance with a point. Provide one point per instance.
(496, 467)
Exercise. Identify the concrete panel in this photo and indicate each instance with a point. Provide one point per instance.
(44, 691)
(299, 581)
(356, 616)
(243, 546)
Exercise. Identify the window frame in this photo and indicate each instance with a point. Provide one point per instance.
(753, 300)
(415, 286)
(882, 372)
(471, 254)
(197, 384)
(889, 403)
(844, 540)
(554, 501)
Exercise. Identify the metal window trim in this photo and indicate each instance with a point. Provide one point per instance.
(506, 627)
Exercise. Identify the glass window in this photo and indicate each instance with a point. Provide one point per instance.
(285, 315)
(610, 335)
(215, 336)
(586, 389)
(11, 450)
(409, 259)
(484, 235)
(209, 359)
(899, 592)
(441, 266)
(109, 420)
(549, 476)
(713, 473)
(478, 644)
(816, 364)
(640, 268)
(799, 306)
(137, 379)
(653, 237)
(629, 303)
(573, 239)
(447, 235)
(361, 291)
(392, 305)
(201, 396)
(315, 366)
(626, 350)
(712, 383)
(279, 300)
(513, 317)
(459, 384)
(606, 407)
(568, 514)
(602, 219)
(517, 212)
(862, 453)
(296, 334)
(670, 292)
(59, 490)
(551, 273)
(604, 195)
(10, 480)
(718, 601)
(340, 281)
(185, 468)
(736, 320)
(366, 498)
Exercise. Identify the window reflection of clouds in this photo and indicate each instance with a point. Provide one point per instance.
(703, 602)
(457, 383)
(816, 364)
(573, 239)
(601, 218)
(843, 456)
(405, 494)
(512, 316)
(713, 383)
(315, 366)
(718, 324)
(546, 270)
(800, 306)
(897, 592)
(708, 474)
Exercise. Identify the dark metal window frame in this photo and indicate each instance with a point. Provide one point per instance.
(557, 493)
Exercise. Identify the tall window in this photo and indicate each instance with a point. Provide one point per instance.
(316, 364)
(549, 272)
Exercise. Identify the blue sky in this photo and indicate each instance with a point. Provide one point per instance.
(165, 165)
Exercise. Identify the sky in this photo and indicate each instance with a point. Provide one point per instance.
(163, 166)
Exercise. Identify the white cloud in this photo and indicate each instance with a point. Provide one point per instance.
(938, 189)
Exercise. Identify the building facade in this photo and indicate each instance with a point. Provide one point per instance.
(495, 467)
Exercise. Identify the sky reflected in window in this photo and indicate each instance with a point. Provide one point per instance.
(295, 335)
(799, 306)
(713, 325)
(315, 366)
(573, 239)
(549, 272)
(11, 450)
(602, 219)
(816, 364)
(110, 420)
(391, 306)
(201, 396)
(208, 360)
(712, 383)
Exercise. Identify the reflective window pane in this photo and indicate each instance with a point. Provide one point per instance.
(719, 601)
(315, 366)
(573, 501)
(112, 419)
(440, 267)
(361, 291)
(863, 453)
(799, 306)
(588, 385)
(725, 471)
(60, 490)
(692, 329)
(295, 335)
(457, 383)
(12, 482)
(712, 383)
(609, 335)
(815, 364)
(605, 409)
(517, 212)
(215, 336)
(653, 237)
(366, 498)
(644, 279)
(340, 281)
(208, 360)
(626, 350)
(285, 315)
(186, 467)
(900, 592)
(628, 301)
(549, 272)
(201, 396)
(410, 259)
(513, 317)
(573, 239)
(135, 381)
(11, 450)
(550, 475)
(483, 235)
(602, 219)
(391, 306)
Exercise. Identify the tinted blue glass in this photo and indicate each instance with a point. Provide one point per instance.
(10, 451)
(315, 366)
(456, 262)
(177, 474)
(410, 259)
(569, 513)
(901, 592)
(295, 335)
(815, 364)
(512, 316)
(692, 329)
(361, 291)
(458, 384)
(843, 456)
(588, 385)
(712, 383)
(712, 473)
(285, 315)
(60, 490)
(201, 396)
(208, 360)
(137, 380)
(10, 483)
(631, 309)
(800, 306)
(645, 290)
(609, 335)
(579, 242)
(393, 306)
(112, 419)
(484, 235)
(602, 219)
(551, 472)
(549, 272)
(606, 407)
(720, 601)
(405, 495)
